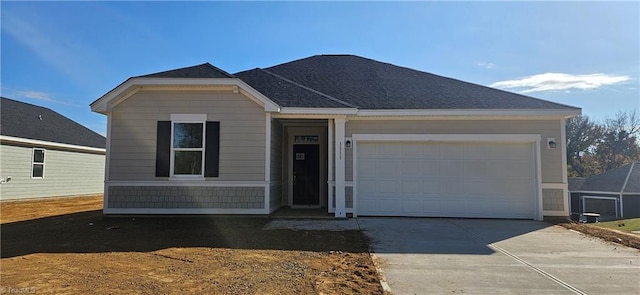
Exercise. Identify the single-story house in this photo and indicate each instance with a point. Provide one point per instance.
(342, 132)
(612, 194)
(45, 154)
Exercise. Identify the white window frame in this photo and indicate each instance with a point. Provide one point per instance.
(188, 118)
(33, 162)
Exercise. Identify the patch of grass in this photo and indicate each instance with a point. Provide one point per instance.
(629, 225)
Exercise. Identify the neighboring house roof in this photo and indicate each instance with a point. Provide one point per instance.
(575, 183)
(205, 70)
(624, 179)
(27, 121)
(369, 84)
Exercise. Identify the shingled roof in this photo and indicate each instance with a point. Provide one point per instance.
(353, 81)
(205, 70)
(624, 179)
(23, 120)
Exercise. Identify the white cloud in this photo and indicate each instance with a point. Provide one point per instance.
(42, 96)
(486, 65)
(559, 82)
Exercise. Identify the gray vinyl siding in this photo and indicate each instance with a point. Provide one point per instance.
(631, 206)
(551, 159)
(170, 197)
(66, 173)
(133, 132)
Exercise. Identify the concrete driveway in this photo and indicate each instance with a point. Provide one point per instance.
(479, 256)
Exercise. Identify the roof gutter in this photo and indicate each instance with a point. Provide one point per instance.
(566, 113)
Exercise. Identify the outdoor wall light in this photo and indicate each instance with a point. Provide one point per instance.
(551, 143)
(347, 143)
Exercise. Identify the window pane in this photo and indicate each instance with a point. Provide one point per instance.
(38, 170)
(187, 163)
(38, 156)
(187, 135)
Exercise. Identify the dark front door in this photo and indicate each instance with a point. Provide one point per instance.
(306, 174)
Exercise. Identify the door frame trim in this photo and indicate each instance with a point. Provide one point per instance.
(292, 131)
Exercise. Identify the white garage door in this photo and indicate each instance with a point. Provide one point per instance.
(487, 180)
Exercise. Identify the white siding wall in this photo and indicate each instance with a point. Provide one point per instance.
(133, 132)
(66, 173)
(551, 159)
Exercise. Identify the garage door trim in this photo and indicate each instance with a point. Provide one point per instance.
(435, 138)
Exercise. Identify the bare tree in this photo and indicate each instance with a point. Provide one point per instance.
(619, 144)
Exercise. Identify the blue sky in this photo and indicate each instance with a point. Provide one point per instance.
(64, 55)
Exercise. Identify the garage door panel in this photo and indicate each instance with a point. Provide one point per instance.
(368, 150)
(412, 151)
(431, 206)
(387, 186)
(411, 187)
(368, 168)
(367, 186)
(452, 169)
(389, 205)
(410, 168)
(446, 179)
(431, 187)
(430, 168)
(387, 167)
(453, 151)
(412, 206)
(367, 205)
(476, 168)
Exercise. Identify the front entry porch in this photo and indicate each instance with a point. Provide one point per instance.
(306, 167)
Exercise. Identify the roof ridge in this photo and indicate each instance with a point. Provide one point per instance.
(218, 69)
(309, 89)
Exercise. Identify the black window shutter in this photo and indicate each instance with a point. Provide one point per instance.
(163, 148)
(212, 149)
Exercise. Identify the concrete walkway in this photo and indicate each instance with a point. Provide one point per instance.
(477, 256)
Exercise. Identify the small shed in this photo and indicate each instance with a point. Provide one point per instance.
(613, 194)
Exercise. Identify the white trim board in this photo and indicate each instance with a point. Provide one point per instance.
(606, 193)
(125, 90)
(188, 183)
(448, 137)
(470, 112)
(183, 211)
(42, 143)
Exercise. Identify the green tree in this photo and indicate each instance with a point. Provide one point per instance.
(583, 135)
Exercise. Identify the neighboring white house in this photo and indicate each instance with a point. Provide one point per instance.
(341, 132)
(44, 154)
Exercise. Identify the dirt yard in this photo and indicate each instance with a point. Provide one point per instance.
(66, 246)
(627, 239)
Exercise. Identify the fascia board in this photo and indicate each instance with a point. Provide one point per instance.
(123, 91)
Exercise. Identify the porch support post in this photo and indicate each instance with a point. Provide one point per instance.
(339, 123)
